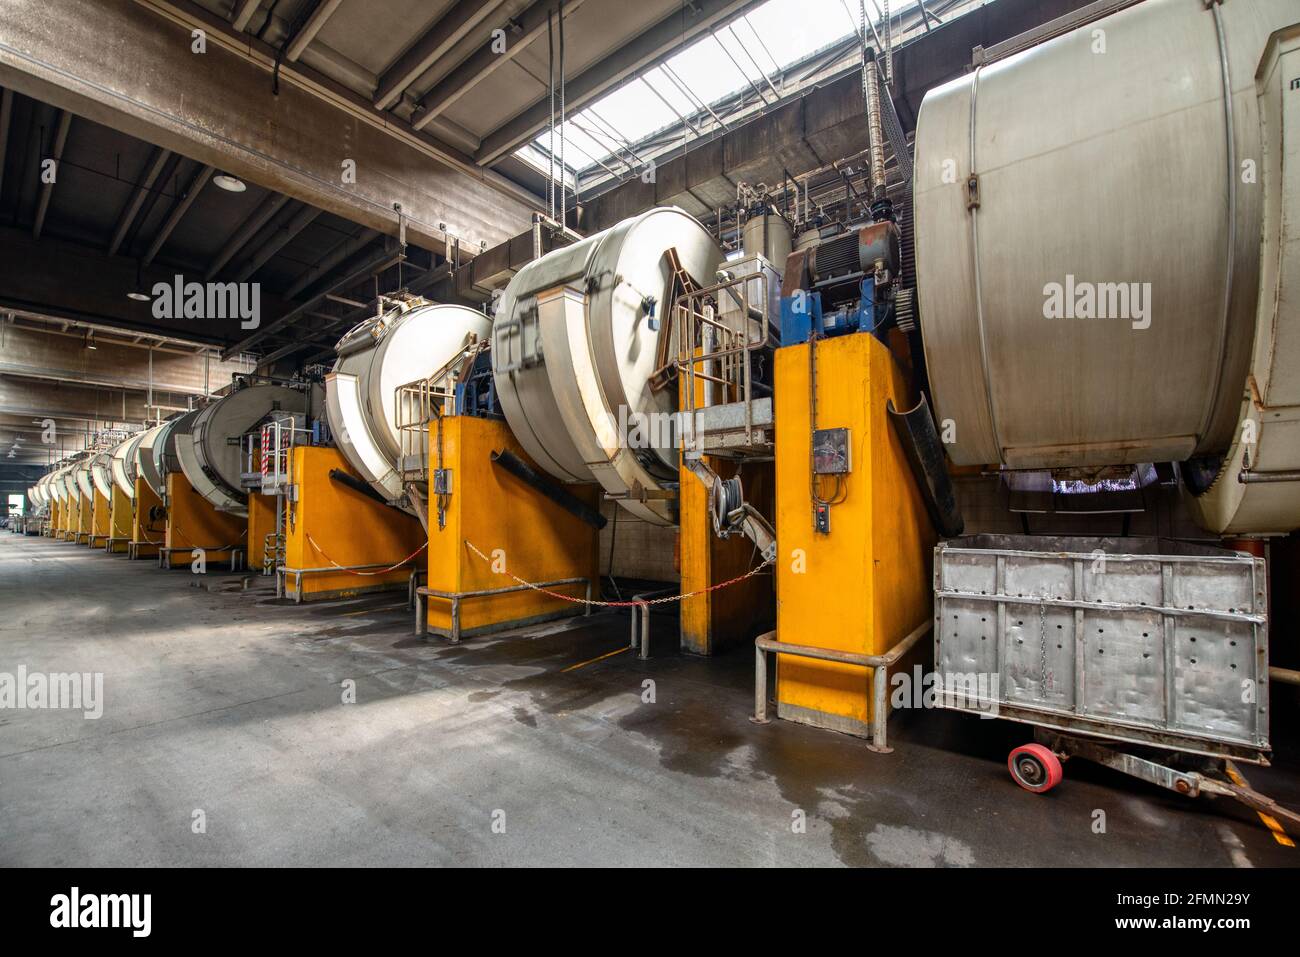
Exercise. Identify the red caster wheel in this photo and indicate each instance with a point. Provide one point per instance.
(1035, 768)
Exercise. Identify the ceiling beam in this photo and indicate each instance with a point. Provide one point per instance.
(160, 158)
(49, 355)
(80, 283)
(370, 265)
(61, 127)
(344, 251)
(179, 209)
(300, 220)
(217, 109)
(659, 42)
(521, 30)
(245, 233)
(324, 10)
(436, 42)
(243, 12)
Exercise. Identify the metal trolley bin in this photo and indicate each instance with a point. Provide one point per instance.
(1147, 655)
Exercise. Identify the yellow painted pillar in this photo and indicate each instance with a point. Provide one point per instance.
(119, 521)
(866, 584)
(332, 525)
(148, 525)
(99, 521)
(261, 523)
(85, 514)
(523, 533)
(713, 621)
(193, 523)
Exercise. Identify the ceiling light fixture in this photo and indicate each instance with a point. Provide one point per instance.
(137, 291)
(231, 184)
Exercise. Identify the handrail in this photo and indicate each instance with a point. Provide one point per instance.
(767, 643)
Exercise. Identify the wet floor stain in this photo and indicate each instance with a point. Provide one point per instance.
(911, 847)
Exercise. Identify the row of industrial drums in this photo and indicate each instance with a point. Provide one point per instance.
(139, 456)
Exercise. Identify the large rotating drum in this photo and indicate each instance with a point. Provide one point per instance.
(378, 356)
(123, 465)
(149, 454)
(1095, 175)
(101, 473)
(57, 484)
(38, 494)
(208, 447)
(574, 346)
(85, 484)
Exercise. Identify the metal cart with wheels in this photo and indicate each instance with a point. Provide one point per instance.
(1148, 656)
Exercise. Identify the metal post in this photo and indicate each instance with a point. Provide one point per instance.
(879, 716)
(645, 630)
(421, 617)
(760, 686)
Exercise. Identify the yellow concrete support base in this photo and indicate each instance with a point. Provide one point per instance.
(331, 525)
(148, 526)
(56, 516)
(100, 523)
(864, 586)
(522, 531)
(261, 522)
(119, 521)
(85, 518)
(713, 621)
(192, 523)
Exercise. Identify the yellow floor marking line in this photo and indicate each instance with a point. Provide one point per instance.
(1273, 824)
(371, 611)
(583, 664)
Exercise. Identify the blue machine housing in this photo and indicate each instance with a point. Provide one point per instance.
(803, 313)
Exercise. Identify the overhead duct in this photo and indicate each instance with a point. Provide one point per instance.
(574, 348)
(1089, 289)
(407, 343)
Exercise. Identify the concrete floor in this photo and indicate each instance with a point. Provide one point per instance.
(230, 703)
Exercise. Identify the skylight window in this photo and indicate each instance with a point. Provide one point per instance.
(690, 94)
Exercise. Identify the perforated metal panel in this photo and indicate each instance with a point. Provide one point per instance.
(1149, 642)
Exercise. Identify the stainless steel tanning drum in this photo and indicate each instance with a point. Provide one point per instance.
(574, 354)
(208, 448)
(409, 342)
(1092, 290)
